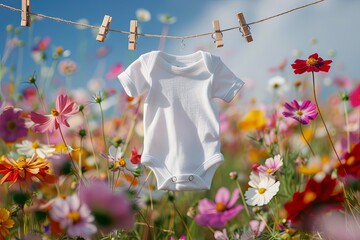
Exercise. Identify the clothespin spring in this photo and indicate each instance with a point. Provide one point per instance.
(218, 31)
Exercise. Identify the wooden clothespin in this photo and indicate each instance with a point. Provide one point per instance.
(25, 14)
(244, 27)
(104, 28)
(218, 34)
(133, 34)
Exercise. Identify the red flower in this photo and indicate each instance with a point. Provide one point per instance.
(317, 196)
(352, 163)
(354, 97)
(135, 157)
(314, 63)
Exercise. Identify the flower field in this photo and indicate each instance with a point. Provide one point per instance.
(70, 159)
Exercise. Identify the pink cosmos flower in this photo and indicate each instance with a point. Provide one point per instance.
(111, 209)
(73, 216)
(63, 110)
(354, 97)
(115, 70)
(271, 165)
(12, 126)
(255, 229)
(67, 67)
(218, 213)
(343, 82)
(302, 113)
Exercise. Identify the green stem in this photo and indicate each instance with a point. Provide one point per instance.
(322, 119)
(277, 213)
(68, 151)
(80, 158)
(41, 99)
(302, 133)
(132, 127)
(92, 144)
(147, 224)
(103, 126)
(243, 198)
(183, 222)
(347, 126)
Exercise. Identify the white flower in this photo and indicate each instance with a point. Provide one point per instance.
(278, 85)
(143, 15)
(28, 148)
(82, 21)
(167, 18)
(73, 216)
(262, 189)
(117, 160)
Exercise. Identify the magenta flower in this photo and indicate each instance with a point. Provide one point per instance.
(111, 209)
(354, 97)
(271, 165)
(218, 213)
(63, 110)
(12, 126)
(73, 216)
(42, 44)
(182, 237)
(302, 113)
(114, 71)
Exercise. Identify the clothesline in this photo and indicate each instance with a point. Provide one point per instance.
(157, 35)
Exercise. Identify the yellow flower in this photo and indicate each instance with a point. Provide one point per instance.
(5, 222)
(254, 120)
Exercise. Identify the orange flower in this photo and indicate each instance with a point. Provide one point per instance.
(24, 169)
(5, 222)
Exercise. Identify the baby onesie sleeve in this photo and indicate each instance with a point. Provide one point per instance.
(134, 79)
(225, 85)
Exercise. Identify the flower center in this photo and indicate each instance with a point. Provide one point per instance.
(21, 162)
(120, 163)
(350, 160)
(269, 170)
(262, 190)
(309, 197)
(276, 85)
(35, 145)
(311, 61)
(220, 207)
(74, 216)
(54, 112)
(11, 125)
(299, 113)
(4, 215)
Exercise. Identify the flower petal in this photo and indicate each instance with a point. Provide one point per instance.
(222, 195)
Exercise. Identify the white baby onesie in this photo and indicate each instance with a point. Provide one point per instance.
(181, 122)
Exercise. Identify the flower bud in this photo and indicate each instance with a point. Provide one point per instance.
(81, 108)
(9, 28)
(191, 213)
(82, 133)
(233, 175)
(32, 79)
(344, 97)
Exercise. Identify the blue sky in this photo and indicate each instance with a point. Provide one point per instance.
(333, 23)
